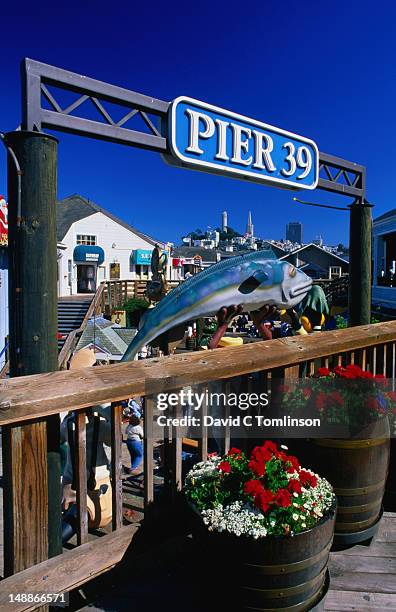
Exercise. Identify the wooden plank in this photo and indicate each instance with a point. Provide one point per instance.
(359, 601)
(25, 494)
(148, 452)
(376, 549)
(116, 465)
(227, 429)
(57, 391)
(177, 448)
(77, 566)
(341, 564)
(387, 529)
(363, 581)
(203, 440)
(81, 478)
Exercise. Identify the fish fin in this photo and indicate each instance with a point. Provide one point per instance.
(251, 283)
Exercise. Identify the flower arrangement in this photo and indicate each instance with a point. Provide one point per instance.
(267, 493)
(340, 396)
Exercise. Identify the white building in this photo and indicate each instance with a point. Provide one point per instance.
(94, 245)
(384, 264)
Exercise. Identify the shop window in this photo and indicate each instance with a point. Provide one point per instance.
(69, 272)
(86, 239)
(101, 273)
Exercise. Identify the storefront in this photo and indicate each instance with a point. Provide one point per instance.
(87, 260)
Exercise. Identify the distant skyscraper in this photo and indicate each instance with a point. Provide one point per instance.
(294, 232)
(224, 221)
(249, 225)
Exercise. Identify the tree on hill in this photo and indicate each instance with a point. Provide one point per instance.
(227, 235)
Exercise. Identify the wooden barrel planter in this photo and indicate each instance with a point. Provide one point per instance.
(357, 469)
(271, 573)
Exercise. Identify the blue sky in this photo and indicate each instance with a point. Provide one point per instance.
(326, 71)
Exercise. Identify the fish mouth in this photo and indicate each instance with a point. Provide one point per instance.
(301, 289)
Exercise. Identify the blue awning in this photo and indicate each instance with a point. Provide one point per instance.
(89, 254)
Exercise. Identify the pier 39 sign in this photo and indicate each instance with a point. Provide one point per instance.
(208, 138)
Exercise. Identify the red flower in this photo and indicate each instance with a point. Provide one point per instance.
(372, 403)
(391, 396)
(354, 369)
(380, 379)
(307, 393)
(307, 479)
(234, 451)
(294, 486)
(225, 467)
(257, 467)
(264, 499)
(366, 375)
(283, 498)
(253, 487)
(270, 446)
(324, 372)
(295, 464)
(337, 398)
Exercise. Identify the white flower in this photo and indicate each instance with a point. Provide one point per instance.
(295, 517)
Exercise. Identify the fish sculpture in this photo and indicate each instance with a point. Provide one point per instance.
(252, 280)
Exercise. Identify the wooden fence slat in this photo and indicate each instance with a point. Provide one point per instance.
(203, 440)
(227, 429)
(116, 465)
(148, 451)
(25, 495)
(81, 477)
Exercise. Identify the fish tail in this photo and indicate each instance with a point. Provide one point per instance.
(134, 347)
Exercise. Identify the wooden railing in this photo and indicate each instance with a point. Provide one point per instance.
(27, 401)
(117, 292)
(95, 307)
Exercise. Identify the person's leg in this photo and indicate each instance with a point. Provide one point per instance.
(135, 448)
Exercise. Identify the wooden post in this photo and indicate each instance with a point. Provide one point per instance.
(30, 509)
(360, 264)
(148, 452)
(81, 477)
(116, 464)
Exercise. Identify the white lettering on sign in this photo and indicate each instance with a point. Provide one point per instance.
(92, 256)
(212, 139)
(195, 134)
(263, 152)
(241, 137)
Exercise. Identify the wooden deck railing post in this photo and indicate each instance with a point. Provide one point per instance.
(81, 477)
(32, 533)
(148, 452)
(116, 464)
(25, 500)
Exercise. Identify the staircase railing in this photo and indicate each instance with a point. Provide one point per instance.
(72, 339)
(117, 292)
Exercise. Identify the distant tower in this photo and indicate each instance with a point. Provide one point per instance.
(224, 221)
(249, 226)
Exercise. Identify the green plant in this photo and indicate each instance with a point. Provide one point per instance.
(135, 304)
(340, 396)
(341, 322)
(268, 493)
